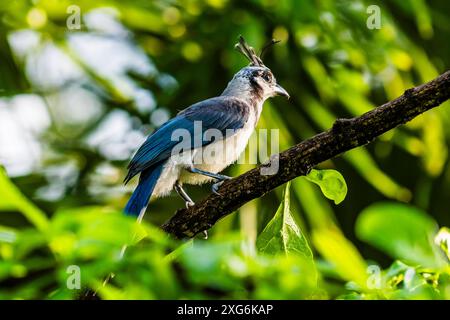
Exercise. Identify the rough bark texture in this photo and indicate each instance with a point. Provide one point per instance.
(345, 134)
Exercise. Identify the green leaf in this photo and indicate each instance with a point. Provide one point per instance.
(402, 231)
(345, 259)
(209, 263)
(331, 182)
(282, 234)
(402, 281)
(89, 231)
(12, 198)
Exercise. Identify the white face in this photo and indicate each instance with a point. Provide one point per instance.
(267, 82)
(260, 80)
(254, 84)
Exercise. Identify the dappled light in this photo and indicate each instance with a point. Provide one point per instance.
(84, 83)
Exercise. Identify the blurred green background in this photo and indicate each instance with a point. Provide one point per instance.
(75, 103)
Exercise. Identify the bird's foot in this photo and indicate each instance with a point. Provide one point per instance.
(215, 187)
(189, 204)
(205, 234)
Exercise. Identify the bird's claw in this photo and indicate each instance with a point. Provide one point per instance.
(189, 204)
(215, 187)
(205, 234)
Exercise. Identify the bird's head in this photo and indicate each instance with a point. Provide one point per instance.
(259, 81)
(256, 81)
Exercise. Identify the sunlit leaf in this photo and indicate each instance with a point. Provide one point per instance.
(400, 230)
(318, 210)
(88, 231)
(11, 197)
(342, 254)
(366, 166)
(282, 234)
(423, 18)
(331, 182)
(317, 71)
(209, 263)
(435, 153)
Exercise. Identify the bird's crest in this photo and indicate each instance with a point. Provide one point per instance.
(248, 51)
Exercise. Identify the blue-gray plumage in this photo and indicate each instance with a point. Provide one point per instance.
(220, 113)
(234, 114)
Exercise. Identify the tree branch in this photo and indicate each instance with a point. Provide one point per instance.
(345, 134)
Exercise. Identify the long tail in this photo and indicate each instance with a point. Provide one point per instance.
(141, 195)
(138, 201)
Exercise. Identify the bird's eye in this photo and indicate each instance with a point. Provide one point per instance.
(266, 77)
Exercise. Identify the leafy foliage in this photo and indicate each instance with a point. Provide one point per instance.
(37, 262)
(75, 104)
(14, 199)
(402, 231)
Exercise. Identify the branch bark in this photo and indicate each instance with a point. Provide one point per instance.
(344, 135)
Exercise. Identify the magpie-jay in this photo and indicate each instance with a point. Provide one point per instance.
(234, 114)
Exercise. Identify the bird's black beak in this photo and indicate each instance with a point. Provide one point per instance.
(280, 91)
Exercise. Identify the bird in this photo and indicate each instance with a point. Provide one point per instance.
(219, 127)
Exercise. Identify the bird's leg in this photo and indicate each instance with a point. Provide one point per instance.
(179, 189)
(189, 203)
(219, 177)
(216, 176)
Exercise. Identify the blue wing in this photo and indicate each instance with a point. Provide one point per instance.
(219, 113)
